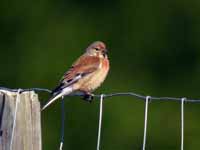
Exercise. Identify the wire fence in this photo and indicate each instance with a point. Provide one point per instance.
(102, 97)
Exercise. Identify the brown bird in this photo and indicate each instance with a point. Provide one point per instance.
(85, 75)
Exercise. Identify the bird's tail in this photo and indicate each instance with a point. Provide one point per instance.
(64, 92)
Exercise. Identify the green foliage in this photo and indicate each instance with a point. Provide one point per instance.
(153, 47)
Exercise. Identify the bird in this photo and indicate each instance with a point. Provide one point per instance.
(85, 75)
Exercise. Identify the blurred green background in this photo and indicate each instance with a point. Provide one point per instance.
(154, 49)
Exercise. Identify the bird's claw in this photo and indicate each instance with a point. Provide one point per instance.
(88, 97)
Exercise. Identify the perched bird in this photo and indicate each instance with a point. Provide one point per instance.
(85, 75)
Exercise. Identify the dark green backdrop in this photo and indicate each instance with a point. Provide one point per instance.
(154, 49)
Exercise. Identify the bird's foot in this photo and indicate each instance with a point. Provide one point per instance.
(88, 97)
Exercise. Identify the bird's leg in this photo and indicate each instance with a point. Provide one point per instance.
(88, 96)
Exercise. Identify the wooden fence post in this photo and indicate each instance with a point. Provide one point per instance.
(25, 132)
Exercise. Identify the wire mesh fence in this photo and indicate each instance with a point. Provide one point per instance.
(102, 97)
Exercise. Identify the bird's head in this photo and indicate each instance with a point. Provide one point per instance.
(97, 48)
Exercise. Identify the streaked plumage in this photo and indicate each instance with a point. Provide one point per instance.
(85, 75)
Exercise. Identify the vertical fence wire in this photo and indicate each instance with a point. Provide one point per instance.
(15, 117)
(182, 123)
(100, 121)
(62, 123)
(145, 121)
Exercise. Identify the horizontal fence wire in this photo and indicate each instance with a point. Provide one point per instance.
(139, 96)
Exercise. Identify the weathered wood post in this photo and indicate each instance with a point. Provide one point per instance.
(20, 124)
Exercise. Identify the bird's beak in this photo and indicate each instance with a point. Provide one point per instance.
(106, 51)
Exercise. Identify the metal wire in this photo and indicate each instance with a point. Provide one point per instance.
(100, 121)
(15, 118)
(139, 96)
(62, 123)
(25, 90)
(182, 123)
(103, 96)
(145, 121)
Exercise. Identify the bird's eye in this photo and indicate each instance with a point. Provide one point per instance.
(97, 49)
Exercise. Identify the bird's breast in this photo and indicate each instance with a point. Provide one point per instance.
(94, 80)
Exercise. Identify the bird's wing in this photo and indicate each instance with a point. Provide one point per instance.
(82, 67)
